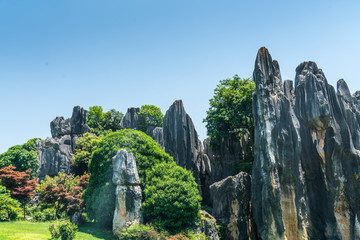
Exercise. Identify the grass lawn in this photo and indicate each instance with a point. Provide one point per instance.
(40, 231)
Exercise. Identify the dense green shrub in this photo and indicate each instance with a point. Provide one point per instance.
(150, 115)
(23, 157)
(144, 232)
(84, 149)
(172, 200)
(43, 215)
(64, 230)
(100, 194)
(9, 207)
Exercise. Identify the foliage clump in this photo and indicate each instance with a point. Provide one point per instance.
(101, 122)
(64, 230)
(23, 157)
(149, 115)
(9, 207)
(99, 196)
(63, 193)
(230, 113)
(83, 151)
(172, 200)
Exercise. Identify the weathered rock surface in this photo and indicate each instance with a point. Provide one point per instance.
(208, 226)
(226, 159)
(231, 205)
(131, 118)
(128, 191)
(307, 159)
(55, 153)
(181, 142)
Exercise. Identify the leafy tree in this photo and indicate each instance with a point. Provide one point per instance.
(150, 115)
(63, 192)
(9, 207)
(22, 157)
(230, 113)
(172, 199)
(101, 122)
(85, 146)
(19, 183)
(99, 196)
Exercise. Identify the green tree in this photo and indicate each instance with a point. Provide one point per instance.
(85, 146)
(230, 113)
(9, 207)
(23, 157)
(150, 115)
(172, 199)
(100, 194)
(101, 122)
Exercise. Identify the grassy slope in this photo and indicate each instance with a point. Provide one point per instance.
(40, 231)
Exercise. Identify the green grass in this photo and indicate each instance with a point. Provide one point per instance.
(40, 231)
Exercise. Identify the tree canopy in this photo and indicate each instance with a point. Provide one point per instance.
(230, 113)
(100, 122)
(23, 157)
(150, 115)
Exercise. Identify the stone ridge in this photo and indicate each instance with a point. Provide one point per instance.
(307, 155)
(55, 153)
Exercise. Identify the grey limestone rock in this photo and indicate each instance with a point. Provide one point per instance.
(231, 205)
(55, 153)
(130, 120)
(307, 155)
(208, 226)
(181, 142)
(128, 191)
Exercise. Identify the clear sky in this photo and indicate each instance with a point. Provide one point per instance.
(119, 54)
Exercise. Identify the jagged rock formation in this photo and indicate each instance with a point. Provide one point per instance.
(231, 205)
(128, 191)
(130, 120)
(55, 153)
(227, 157)
(181, 142)
(208, 226)
(307, 159)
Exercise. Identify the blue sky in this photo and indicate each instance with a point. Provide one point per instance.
(119, 54)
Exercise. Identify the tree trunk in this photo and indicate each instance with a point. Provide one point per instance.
(24, 210)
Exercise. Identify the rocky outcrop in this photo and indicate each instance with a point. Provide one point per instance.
(307, 159)
(208, 226)
(227, 157)
(55, 153)
(231, 206)
(131, 118)
(128, 191)
(181, 142)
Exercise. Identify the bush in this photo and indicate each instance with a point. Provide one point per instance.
(23, 157)
(172, 200)
(100, 194)
(44, 215)
(85, 146)
(144, 232)
(64, 230)
(9, 207)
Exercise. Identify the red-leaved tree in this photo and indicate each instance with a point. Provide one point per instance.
(19, 183)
